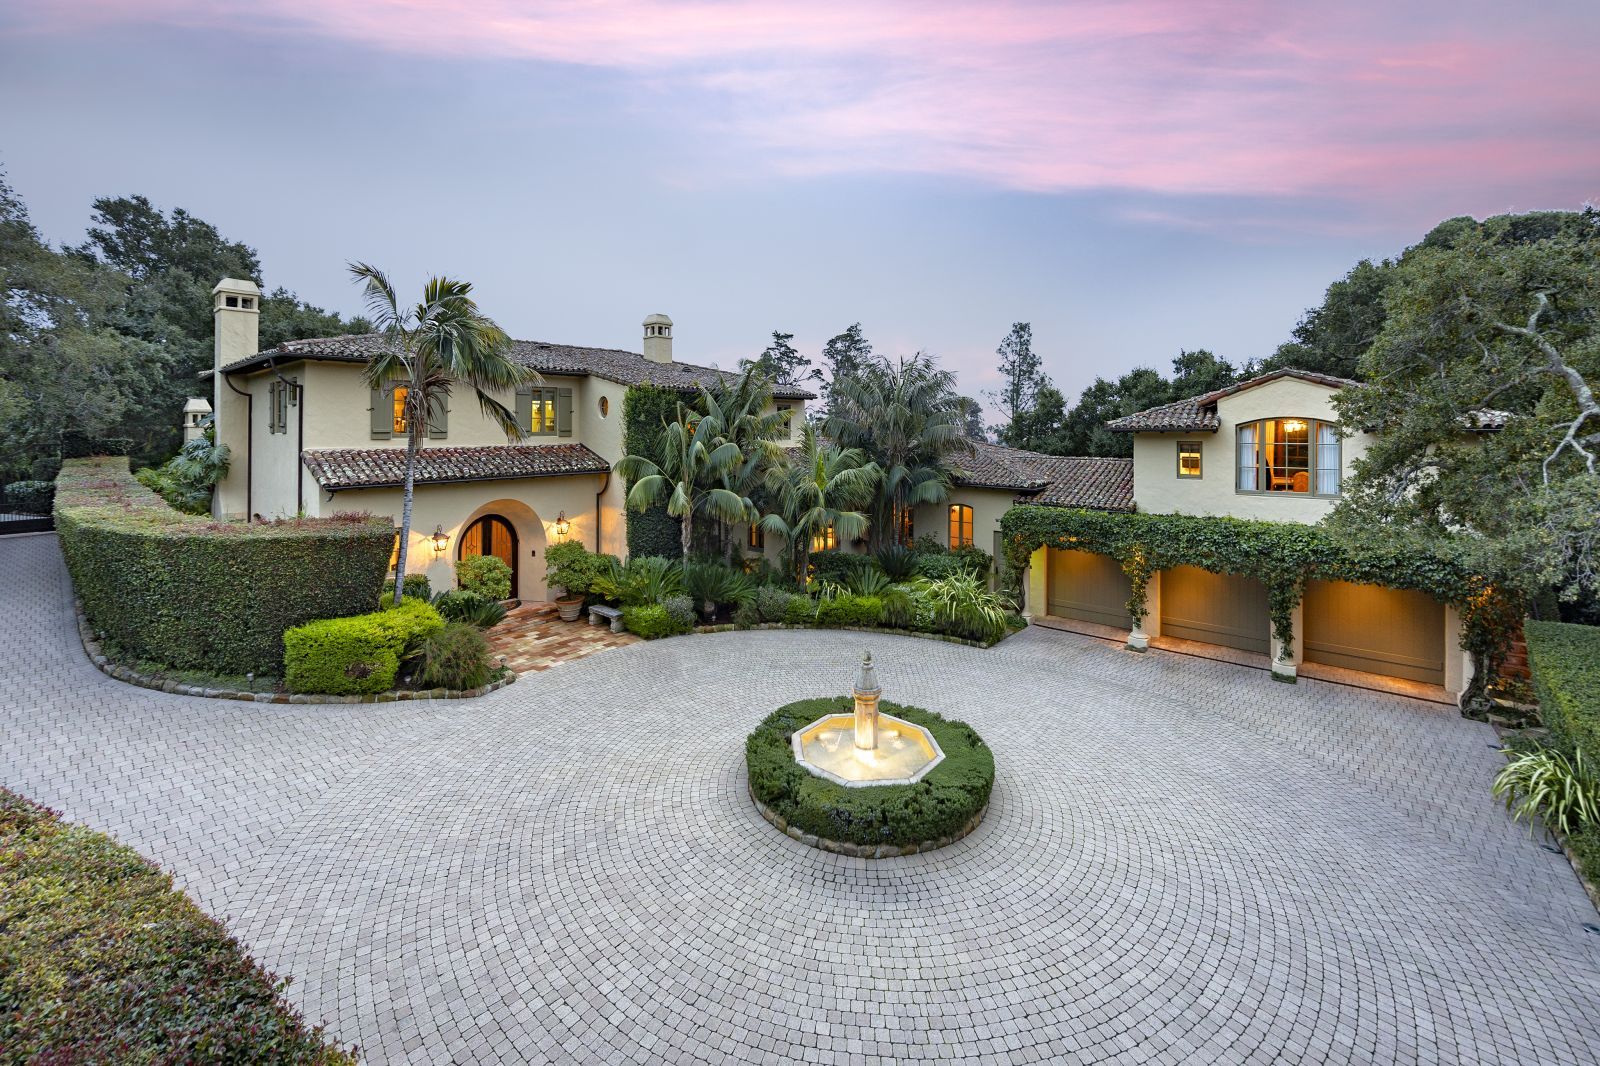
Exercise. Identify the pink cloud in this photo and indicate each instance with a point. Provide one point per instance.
(1174, 97)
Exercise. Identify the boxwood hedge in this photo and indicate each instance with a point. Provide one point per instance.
(102, 961)
(359, 655)
(938, 806)
(190, 593)
(1565, 660)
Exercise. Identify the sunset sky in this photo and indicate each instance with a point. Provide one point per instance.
(1131, 177)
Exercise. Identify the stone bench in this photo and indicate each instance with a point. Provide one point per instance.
(611, 614)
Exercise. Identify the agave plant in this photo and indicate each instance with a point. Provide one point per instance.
(1542, 783)
(963, 605)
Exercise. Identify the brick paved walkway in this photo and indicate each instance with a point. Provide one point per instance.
(533, 637)
(1184, 861)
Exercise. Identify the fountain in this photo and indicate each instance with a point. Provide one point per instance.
(865, 747)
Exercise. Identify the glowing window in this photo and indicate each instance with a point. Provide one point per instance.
(960, 526)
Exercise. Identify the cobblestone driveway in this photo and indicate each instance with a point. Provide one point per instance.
(1183, 862)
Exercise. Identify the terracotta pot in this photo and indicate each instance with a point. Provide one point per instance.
(570, 608)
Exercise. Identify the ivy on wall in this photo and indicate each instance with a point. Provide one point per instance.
(1283, 556)
(645, 412)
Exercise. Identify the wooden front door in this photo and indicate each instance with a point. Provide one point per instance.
(1090, 588)
(1215, 608)
(1396, 632)
(493, 535)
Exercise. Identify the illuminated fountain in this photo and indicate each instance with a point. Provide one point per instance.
(866, 748)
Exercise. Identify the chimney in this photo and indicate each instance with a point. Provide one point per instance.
(195, 413)
(658, 338)
(236, 334)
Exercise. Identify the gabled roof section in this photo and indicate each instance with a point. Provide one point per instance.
(1098, 483)
(335, 469)
(612, 364)
(1199, 413)
(994, 466)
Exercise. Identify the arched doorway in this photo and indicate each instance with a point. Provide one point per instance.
(493, 535)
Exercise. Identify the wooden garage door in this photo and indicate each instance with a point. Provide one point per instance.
(1214, 608)
(1377, 630)
(1090, 588)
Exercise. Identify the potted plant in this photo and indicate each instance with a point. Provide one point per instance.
(572, 568)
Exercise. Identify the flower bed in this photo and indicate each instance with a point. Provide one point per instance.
(101, 960)
(876, 820)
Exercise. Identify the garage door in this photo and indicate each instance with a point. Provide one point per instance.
(1090, 588)
(1377, 630)
(1214, 608)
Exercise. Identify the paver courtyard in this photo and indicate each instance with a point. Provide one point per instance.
(1186, 861)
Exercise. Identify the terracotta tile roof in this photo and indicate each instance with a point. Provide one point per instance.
(368, 468)
(1098, 483)
(1199, 413)
(994, 466)
(613, 364)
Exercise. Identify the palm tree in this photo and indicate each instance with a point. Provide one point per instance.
(441, 342)
(907, 418)
(818, 488)
(691, 458)
(740, 409)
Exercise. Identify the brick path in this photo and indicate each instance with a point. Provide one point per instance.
(1183, 862)
(533, 637)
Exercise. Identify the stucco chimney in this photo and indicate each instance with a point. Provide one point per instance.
(235, 320)
(195, 413)
(658, 338)
(236, 334)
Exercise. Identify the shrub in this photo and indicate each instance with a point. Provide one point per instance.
(1565, 660)
(1543, 783)
(772, 604)
(968, 560)
(354, 656)
(645, 412)
(898, 563)
(653, 620)
(928, 544)
(30, 497)
(962, 605)
(101, 960)
(414, 585)
(849, 610)
(801, 611)
(680, 609)
(866, 582)
(455, 656)
(899, 606)
(487, 575)
(839, 566)
(189, 593)
(939, 805)
(459, 605)
(576, 568)
(711, 582)
(746, 616)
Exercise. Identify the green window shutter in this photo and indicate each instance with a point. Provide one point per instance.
(382, 415)
(524, 408)
(438, 415)
(564, 412)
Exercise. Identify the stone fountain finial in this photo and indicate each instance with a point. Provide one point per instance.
(866, 696)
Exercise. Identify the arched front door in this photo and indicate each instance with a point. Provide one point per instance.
(493, 535)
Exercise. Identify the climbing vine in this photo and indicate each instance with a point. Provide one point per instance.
(1283, 556)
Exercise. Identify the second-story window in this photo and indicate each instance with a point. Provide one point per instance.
(787, 413)
(400, 394)
(757, 539)
(960, 526)
(1297, 456)
(1188, 458)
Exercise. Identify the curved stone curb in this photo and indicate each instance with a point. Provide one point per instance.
(106, 665)
(861, 851)
(729, 627)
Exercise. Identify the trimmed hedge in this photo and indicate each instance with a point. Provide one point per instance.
(1565, 660)
(645, 412)
(29, 497)
(938, 806)
(653, 621)
(850, 610)
(189, 593)
(355, 656)
(101, 960)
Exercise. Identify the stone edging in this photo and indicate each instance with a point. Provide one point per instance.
(861, 851)
(110, 668)
(729, 627)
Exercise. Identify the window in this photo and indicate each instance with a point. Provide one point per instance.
(787, 411)
(1188, 458)
(756, 540)
(824, 539)
(904, 527)
(960, 526)
(281, 395)
(1300, 456)
(399, 405)
(605, 406)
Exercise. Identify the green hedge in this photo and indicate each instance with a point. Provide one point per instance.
(938, 806)
(1565, 660)
(850, 610)
(653, 621)
(189, 593)
(352, 656)
(101, 960)
(29, 497)
(645, 411)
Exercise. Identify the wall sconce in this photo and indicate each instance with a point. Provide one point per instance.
(440, 540)
(563, 527)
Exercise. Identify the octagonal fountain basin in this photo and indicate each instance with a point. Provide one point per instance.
(904, 754)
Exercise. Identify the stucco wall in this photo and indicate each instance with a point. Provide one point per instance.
(1158, 489)
(988, 507)
(530, 505)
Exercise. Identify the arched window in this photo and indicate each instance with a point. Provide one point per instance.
(960, 526)
(1298, 456)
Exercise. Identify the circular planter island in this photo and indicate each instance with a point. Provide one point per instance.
(938, 804)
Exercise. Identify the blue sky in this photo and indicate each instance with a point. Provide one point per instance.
(1132, 179)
